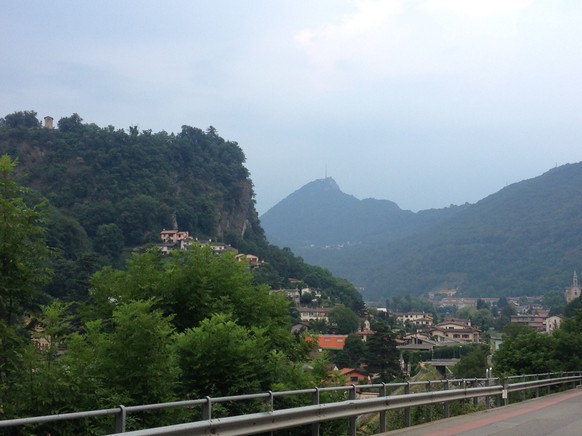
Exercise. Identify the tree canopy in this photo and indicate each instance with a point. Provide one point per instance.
(23, 252)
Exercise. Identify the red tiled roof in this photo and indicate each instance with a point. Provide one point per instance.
(330, 342)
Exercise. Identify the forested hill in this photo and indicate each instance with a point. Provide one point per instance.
(138, 181)
(524, 239)
(111, 191)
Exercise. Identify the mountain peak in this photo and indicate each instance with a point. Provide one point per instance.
(327, 184)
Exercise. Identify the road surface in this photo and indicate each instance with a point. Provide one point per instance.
(551, 415)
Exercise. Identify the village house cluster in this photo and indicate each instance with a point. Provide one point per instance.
(422, 332)
(181, 240)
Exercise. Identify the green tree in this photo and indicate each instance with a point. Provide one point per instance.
(344, 320)
(481, 304)
(473, 364)
(74, 123)
(21, 119)
(23, 270)
(382, 356)
(569, 342)
(352, 354)
(555, 301)
(126, 359)
(504, 317)
(191, 286)
(43, 385)
(527, 352)
(23, 250)
(137, 357)
(109, 241)
(573, 307)
(221, 357)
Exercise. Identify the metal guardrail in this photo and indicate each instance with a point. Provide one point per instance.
(317, 412)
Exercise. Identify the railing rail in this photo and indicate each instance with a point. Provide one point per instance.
(317, 412)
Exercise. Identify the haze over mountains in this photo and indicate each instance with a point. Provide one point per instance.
(320, 215)
(524, 239)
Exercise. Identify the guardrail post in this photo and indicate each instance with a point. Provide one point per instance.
(315, 402)
(487, 397)
(120, 420)
(428, 389)
(463, 385)
(353, 418)
(272, 404)
(523, 390)
(475, 399)
(446, 409)
(382, 393)
(407, 420)
(505, 393)
(207, 409)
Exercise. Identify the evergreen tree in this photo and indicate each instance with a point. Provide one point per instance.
(382, 356)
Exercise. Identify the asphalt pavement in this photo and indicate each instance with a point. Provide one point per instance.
(552, 415)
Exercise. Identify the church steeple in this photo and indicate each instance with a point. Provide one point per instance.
(575, 280)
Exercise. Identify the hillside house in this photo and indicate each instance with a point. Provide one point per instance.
(293, 294)
(181, 240)
(313, 314)
(530, 320)
(174, 236)
(432, 295)
(455, 331)
(218, 247)
(354, 376)
(552, 323)
(418, 319)
(251, 259)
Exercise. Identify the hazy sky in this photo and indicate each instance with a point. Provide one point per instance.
(422, 102)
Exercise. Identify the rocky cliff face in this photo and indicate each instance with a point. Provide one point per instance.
(238, 218)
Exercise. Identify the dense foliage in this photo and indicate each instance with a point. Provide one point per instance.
(124, 326)
(525, 351)
(165, 328)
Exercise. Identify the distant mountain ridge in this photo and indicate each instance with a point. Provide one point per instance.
(524, 239)
(320, 215)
